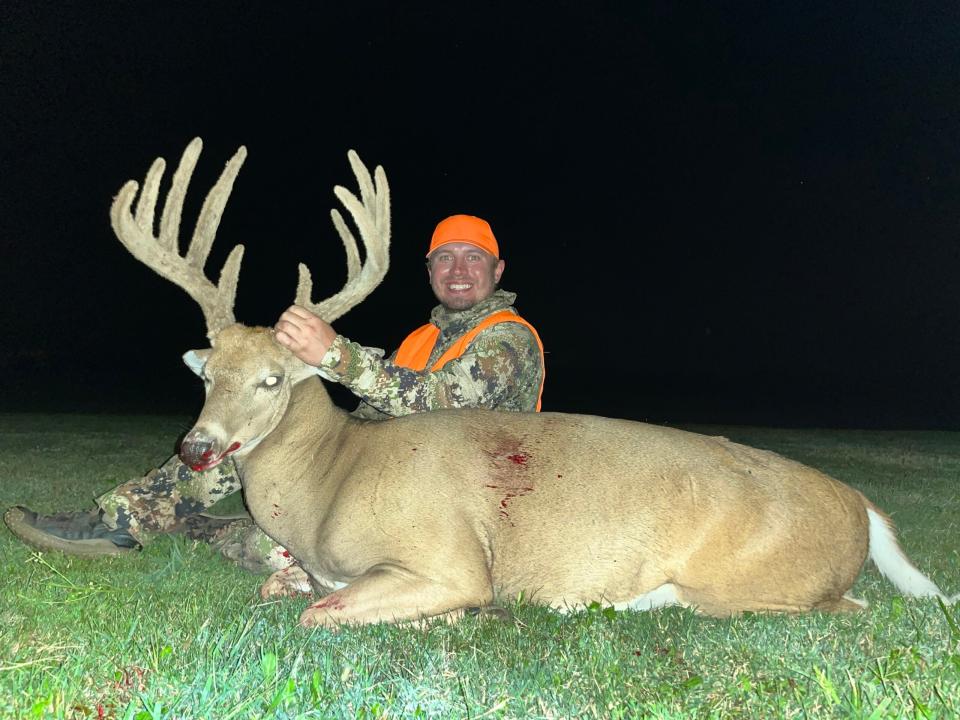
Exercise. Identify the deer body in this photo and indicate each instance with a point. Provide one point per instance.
(430, 514)
(566, 509)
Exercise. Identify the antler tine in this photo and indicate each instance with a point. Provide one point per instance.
(160, 252)
(372, 218)
(169, 238)
(349, 243)
(205, 230)
(147, 203)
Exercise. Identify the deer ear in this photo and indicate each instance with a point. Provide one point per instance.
(305, 371)
(196, 359)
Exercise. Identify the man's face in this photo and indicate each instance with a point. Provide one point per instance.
(462, 275)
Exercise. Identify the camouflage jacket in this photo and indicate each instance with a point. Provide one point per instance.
(500, 370)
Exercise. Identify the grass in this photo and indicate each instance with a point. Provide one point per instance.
(175, 632)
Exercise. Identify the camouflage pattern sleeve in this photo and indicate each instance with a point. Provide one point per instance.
(501, 370)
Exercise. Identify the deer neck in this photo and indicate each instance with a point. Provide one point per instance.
(289, 479)
(306, 437)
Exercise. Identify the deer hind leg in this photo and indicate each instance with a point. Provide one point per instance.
(846, 603)
(391, 595)
(702, 600)
(723, 604)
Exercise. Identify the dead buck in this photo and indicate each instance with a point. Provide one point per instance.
(431, 514)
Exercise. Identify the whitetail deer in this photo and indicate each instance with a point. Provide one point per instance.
(431, 514)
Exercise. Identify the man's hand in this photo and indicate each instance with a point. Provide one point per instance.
(304, 334)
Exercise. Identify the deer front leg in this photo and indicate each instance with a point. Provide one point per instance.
(391, 595)
(288, 582)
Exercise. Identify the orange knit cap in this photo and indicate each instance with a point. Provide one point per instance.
(465, 229)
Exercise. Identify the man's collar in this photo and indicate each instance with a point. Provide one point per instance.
(447, 319)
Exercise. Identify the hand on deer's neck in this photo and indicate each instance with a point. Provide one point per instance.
(304, 334)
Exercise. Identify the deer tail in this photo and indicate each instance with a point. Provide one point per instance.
(893, 563)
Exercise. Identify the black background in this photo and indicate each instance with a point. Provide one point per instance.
(712, 212)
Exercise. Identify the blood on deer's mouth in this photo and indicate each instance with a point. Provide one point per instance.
(209, 460)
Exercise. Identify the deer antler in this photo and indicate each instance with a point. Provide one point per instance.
(162, 253)
(372, 216)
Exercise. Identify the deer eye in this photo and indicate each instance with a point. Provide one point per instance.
(271, 381)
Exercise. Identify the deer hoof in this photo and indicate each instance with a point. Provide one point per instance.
(289, 582)
(311, 618)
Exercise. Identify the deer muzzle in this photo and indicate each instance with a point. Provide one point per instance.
(201, 452)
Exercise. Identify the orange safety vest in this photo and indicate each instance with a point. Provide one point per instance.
(414, 351)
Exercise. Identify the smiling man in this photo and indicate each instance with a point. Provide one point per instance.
(476, 352)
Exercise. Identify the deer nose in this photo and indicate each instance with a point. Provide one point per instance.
(196, 449)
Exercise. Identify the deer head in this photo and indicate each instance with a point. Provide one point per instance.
(248, 376)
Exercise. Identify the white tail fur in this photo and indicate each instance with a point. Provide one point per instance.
(890, 559)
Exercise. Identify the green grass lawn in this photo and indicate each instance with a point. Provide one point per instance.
(176, 632)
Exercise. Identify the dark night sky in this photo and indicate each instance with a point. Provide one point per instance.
(725, 212)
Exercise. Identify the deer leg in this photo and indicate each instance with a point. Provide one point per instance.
(288, 582)
(846, 603)
(728, 603)
(391, 595)
(487, 612)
